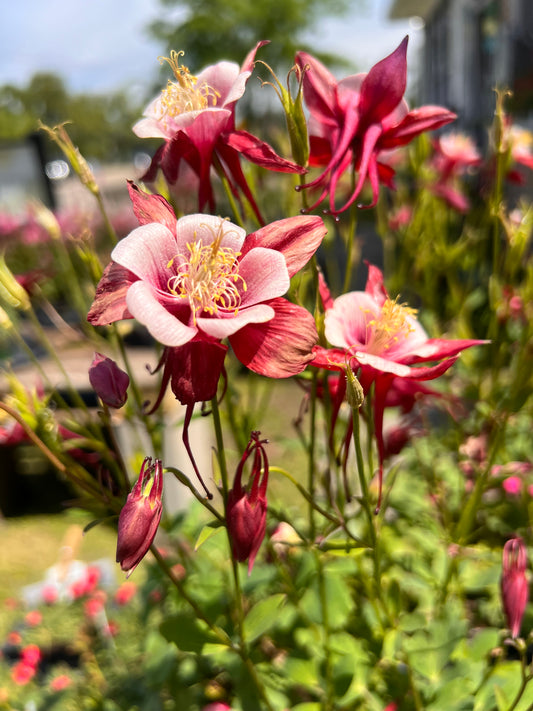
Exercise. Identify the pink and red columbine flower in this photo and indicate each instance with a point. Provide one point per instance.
(352, 121)
(247, 506)
(140, 516)
(196, 118)
(383, 339)
(514, 585)
(201, 279)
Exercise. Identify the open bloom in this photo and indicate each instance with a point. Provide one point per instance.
(247, 507)
(352, 121)
(201, 279)
(140, 516)
(195, 115)
(383, 338)
(514, 585)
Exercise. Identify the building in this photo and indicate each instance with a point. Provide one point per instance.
(472, 46)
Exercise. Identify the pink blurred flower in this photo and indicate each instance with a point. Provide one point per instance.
(514, 585)
(33, 618)
(140, 516)
(512, 485)
(61, 682)
(196, 118)
(31, 654)
(125, 593)
(356, 119)
(49, 593)
(382, 338)
(455, 153)
(22, 673)
(247, 506)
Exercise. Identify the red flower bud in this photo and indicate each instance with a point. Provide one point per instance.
(514, 585)
(108, 381)
(140, 516)
(247, 507)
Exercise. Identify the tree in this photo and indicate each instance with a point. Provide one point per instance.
(228, 29)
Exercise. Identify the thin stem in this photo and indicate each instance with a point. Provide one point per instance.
(311, 457)
(183, 479)
(221, 455)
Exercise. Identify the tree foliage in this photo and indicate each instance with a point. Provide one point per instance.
(230, 28)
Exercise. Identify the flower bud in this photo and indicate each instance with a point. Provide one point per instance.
(354, 390)
(140, 516)
(247, 507)
(108, 381)
(514, 585)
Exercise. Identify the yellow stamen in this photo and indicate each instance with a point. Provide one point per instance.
(208, 276)
(391, 326)
(184, 94)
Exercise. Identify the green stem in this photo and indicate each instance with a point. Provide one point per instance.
(221, 454)
(328, 669)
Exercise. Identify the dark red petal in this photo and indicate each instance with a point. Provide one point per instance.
(260, 153)
(109, 303)
(280, 347)
(320, 89)
(426, 118)
(384, 86)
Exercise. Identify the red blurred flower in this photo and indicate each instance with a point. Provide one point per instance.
(382, 338)
(352, 121)
(140, 516)
(33, 618)
(247, 506)
(63, 681)
(125, 593)
(196, 118)
(108, 381)
(514, 585)
(22, 673)
(31, 654)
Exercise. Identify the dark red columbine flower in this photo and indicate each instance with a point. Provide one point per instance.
(514, 585)
(247, 506)
(108, 381)
(140, 516)
(354, 120)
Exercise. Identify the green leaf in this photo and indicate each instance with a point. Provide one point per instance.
(207, 532)
(187, 633)
(262, 616)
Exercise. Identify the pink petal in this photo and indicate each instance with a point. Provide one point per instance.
(162, 325)
(193, 228)
(146, 252)
(382, 364)
(109, 303)
(151, 208)
(374, 285)
(384, 86)
(426, 118)
(230, 324)
(280, 348)
(438, 348)
(265, 274)
(297, 238)
(347, 322)
(260, 153)
(221, 77)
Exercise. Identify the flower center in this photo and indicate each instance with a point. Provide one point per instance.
(391, 326)
(208, 276)
(184, 94)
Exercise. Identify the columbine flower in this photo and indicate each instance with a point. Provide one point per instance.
(108, 381)
(195, 115)
(455, 153)
(514, 585)
(352, 121)
(247, 507)
(383, 338)
(140, 516)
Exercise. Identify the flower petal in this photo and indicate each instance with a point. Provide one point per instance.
(151, 208)
(265, 274)
(109, 303)
(223, 327)
(261, 153)
(280, 348)
(297, 238)
(347, 322)
(193, 228)
(146, 252)
(162, 325)
(384, 86)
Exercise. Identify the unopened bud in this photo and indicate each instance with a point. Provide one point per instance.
(108, 381)
(354, 390)
(514, 585)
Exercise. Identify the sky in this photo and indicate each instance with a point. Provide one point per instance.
(102, 45)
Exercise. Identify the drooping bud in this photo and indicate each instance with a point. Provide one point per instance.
(247, 507)
(59, 135)
(354, 390)
(108, 381)
(140, 516)
(514, 585)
